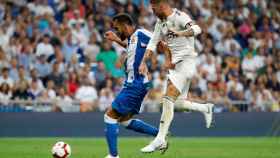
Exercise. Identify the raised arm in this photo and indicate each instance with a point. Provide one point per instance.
(110, 35)
(192, 30)
(190, 27)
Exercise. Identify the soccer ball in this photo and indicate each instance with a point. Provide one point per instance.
(61, 150)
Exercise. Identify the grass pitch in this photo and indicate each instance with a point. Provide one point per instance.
(129, 147)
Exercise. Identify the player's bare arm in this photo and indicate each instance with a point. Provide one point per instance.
(143, 69)
(191, 30)
(110, 35)
(162, 47)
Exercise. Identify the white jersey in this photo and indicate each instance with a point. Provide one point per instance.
(181, 47)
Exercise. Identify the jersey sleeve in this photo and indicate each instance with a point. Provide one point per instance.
(144, 37)
(156, 37)
(184, 20)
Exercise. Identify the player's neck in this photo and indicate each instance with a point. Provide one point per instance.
(131, 30)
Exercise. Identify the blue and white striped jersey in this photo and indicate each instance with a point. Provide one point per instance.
(136, 48)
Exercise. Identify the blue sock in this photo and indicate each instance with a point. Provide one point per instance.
(142, 127)
(112, 138)
(111, 131)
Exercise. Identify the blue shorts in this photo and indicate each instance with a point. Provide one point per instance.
(130, 99)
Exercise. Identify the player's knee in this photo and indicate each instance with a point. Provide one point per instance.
(110, 116)
(126, 120)
(126, 123)
(172, 91)
(171, 96)
(110, 119)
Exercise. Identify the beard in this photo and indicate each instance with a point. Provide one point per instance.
(122, 36)
(161, 16)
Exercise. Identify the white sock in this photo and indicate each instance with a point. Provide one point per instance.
(192, 105)
(166, 117)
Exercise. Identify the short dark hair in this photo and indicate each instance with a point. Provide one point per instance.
(5, 69)
(157, 1)
(124, 18)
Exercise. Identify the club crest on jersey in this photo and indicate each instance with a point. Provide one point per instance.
(133, 39)
(164, 28)
(166, 25)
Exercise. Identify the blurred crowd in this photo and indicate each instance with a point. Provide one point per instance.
(55, 50)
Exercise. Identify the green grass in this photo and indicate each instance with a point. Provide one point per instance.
(129, 147)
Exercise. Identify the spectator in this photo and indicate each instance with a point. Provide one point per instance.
(105, 99)
(231, 41)
(44, 47)
(79, 36)
(273, 83)
(5, 93)
(21, 74)
(209, 68)
(100, 75)
(63, 101)
(34, 91)
(249, 66)
(59, 59)
(233, 85)
(56, 76)
(42, 66)
(108, 56)
(5, 77)
(4, 62)
(34, 76)
(87, 95)
(13, 70)
(92, 49)
(69, 49)
(27, 58)
(20, 92)
(74, 64)
(264, 98)
(72, 84)
(40, 7)
(50, 92)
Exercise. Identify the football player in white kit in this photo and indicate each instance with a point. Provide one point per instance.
(178, 30)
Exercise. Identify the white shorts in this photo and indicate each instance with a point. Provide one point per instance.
(182, 75)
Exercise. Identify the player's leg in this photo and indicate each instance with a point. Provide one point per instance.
(205, 109)
(159, 143)
(138, 125)
(167, 110)
(111, 118)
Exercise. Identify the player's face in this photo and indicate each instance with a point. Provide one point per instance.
(120, 30)
(157, 9)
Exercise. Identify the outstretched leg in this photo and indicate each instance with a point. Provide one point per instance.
(138, 126)
(206, 109)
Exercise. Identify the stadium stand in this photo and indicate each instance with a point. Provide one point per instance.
(53, 56)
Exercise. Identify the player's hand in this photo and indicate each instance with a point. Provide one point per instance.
(143, 69)
(110, 35)
(162, 46)
(169, 65)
